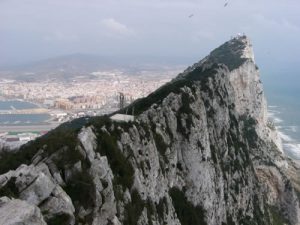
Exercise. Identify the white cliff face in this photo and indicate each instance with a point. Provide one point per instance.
(248, 91)
(248, 49)
(200, 151)
(250, 100)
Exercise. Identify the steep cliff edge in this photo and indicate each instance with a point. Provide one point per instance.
(200, 151)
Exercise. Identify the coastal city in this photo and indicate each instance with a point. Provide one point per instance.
(59, 101)
(84, 93)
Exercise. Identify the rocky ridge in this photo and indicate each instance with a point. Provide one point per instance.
(200, 151)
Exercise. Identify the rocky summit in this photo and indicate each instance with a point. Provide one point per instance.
(198, 151)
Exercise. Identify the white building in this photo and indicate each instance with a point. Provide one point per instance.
(122, 117)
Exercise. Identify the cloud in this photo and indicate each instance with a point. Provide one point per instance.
(61, 37)
(289, 25)
(113, 27)
(278, 23)
(124, 26)
(207, 35)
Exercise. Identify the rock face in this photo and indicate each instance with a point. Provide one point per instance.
(15, 212)
(200, 151)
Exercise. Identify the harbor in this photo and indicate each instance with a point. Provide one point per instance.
(25, 111)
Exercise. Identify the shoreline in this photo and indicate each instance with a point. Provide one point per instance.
(290, 145)
(24, 115)
(38, 105)
(29, 128)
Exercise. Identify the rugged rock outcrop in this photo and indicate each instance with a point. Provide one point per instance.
(200, 151)
(15, 212)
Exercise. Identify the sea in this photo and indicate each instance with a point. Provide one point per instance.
(20, 119)
(282, 91)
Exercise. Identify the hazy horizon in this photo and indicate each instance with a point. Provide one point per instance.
(33, 30)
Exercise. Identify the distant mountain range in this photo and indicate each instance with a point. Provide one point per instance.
(71, 66)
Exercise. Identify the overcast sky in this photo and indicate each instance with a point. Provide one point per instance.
(36, 29)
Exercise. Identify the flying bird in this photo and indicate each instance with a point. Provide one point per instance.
(226, 4)
(190, 16)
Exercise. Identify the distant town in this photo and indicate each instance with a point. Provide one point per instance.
(65, 101)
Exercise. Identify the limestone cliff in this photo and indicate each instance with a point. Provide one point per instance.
(200, 151)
